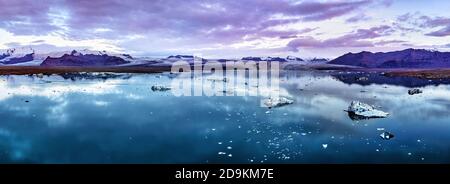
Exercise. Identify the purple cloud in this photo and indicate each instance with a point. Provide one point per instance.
(428, 22)
(358, 18)
(169, 17)
(354, 39)
(437, 22)
(25, 16)
(388, 42)
(440, 33)
(322, 11)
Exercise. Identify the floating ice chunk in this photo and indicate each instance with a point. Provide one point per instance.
(218, 79)
(414, 91)
(160, 88)
(358, 110)
(277, 102)
(386, 135)
(324, 146)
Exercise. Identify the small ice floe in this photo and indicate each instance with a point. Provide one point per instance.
(358, 111)
(273, 102)
(386, 135)
(414, 91)
(40, 75)
(218, 79)
(160, 88)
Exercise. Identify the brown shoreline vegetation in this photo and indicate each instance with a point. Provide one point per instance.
(423, 74)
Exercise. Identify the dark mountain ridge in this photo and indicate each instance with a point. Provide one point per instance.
(78, 59)
(409, 58)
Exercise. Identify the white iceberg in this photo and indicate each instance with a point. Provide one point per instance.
(218, 79)
(386, 135)
(277, 102)
(359, 110)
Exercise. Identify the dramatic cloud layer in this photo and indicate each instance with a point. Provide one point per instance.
(212, 26)
(355, 39)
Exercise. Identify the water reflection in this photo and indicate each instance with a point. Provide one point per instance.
(54, 119)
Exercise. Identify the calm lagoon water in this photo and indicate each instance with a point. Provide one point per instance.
(51, 119)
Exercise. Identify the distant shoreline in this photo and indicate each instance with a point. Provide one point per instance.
(27, 70)
(428, 73)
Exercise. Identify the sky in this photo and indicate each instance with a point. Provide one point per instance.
(226, 28)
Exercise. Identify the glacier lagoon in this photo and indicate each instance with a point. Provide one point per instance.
(120, 119)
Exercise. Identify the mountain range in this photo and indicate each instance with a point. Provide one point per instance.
(28, 57)
(79, 59)
(409, 58)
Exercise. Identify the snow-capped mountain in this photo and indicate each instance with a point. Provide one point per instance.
(279, 59)
(318, 60)
(293, 58)
(76, 58)
(17, 56)
(27, 56)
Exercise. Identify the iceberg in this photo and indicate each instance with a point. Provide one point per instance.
(358, 110)
(218, 79)
(386, 135)
(277, 102)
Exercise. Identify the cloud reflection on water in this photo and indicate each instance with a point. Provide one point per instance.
(122, 120)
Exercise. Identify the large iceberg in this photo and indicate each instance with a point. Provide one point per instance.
(358, 110)
(277, 102)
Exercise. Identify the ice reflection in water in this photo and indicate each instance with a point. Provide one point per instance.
(121, 120)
